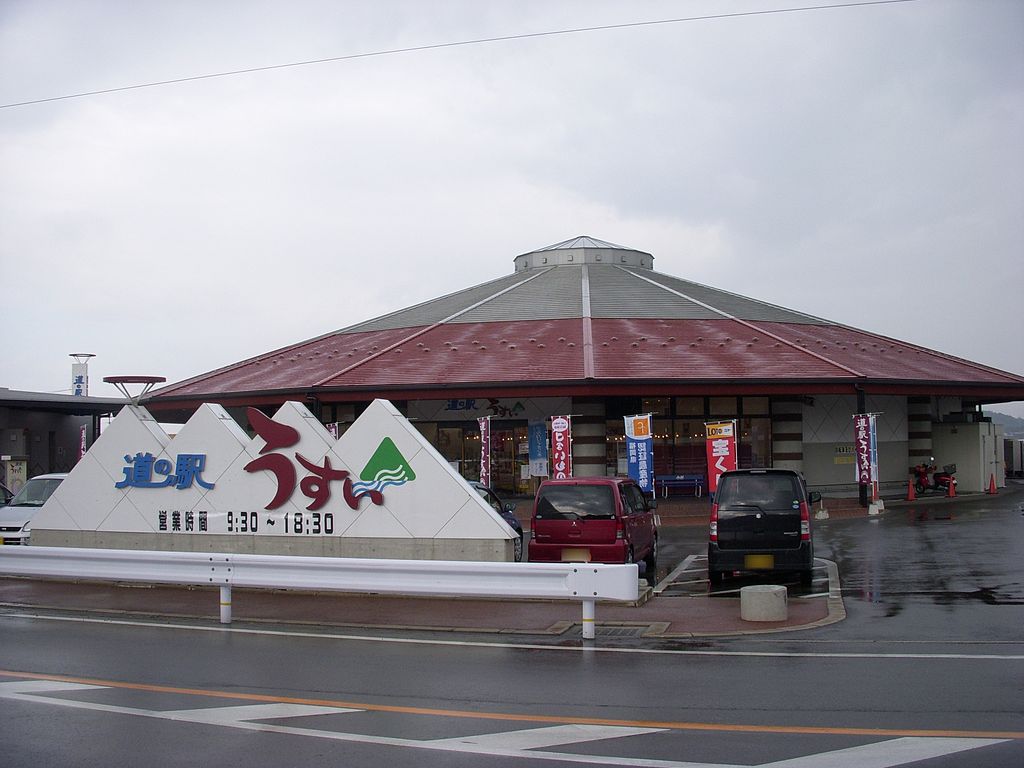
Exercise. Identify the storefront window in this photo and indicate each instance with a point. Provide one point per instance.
(449, 444)
(755, 443)
(470, 467)
(615, 447)
(722, 406)
(755, 406)
(657, 406)
(690, 406)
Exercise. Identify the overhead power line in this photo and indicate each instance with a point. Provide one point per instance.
(454, 44)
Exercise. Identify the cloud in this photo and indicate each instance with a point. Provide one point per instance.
(862, 164)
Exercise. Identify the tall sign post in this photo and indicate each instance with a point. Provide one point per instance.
(538, 433)
(485, 450)
(865, 448)
(80, 373)
(561, 447)
(721, 450)
(640, 450)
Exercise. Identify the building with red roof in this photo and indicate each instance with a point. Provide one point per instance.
(589, 328)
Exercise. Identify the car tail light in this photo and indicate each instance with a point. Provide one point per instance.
(714, 522)
(620, 530)
(805, 522)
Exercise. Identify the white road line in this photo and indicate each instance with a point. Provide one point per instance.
(516, 744)
(679, 569)
(247, 712)
(886, 754)
(517, 646)
(15, 687)
(551, 736)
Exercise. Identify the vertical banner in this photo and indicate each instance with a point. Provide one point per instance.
(865, 447)
(538, 432)
(485, 450)
(81, 442)
(561, 447)
(640, 451)
(79, 379)
(721, 450)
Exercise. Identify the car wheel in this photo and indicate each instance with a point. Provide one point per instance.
(806, 578)
(715, 578)
(517, 548)
(651, 564)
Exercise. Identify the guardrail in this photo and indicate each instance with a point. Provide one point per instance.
(585, 582)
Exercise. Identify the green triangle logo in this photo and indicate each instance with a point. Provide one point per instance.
(387, 465)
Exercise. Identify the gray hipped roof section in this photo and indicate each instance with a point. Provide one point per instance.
(555, 293)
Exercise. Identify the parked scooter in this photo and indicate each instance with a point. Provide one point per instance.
(928, 478)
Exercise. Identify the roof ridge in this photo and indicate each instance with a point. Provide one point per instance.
(932, 352)
(747, 323)
(587, 319)
(357, 326)
(432, 326)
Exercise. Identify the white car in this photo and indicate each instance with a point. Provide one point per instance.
(16, 517)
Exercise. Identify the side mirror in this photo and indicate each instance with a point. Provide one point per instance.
(814, 497)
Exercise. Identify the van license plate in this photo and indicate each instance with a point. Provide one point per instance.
(758, 562)
(576, 555)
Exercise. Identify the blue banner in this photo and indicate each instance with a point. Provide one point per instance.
(640, 451)
(538, 435)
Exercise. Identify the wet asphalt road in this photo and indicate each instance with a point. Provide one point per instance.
(927, 668)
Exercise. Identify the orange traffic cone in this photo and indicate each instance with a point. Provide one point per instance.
(951, 493)
(992, 485)
(911, 495)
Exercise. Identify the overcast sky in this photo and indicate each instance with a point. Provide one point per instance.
(864, 164)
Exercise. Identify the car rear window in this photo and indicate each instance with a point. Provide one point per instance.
(35, 492)
(766, 492)
(568, 502)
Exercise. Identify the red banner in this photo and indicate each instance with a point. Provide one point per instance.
(561, 447)
(485, 450)
(721, 449)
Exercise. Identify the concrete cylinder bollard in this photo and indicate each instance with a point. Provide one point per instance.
(764, 602)
(225, 605)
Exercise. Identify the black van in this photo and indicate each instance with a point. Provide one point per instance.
(761, 522)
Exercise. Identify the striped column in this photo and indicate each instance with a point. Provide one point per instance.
(788, 433)
(919, 429)
(588, 438)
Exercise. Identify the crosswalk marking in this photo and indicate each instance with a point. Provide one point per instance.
(523, 743)
(249, 712)
(553, 736)
(884, 754)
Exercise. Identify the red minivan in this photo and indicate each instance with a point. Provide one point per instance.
(594, 519)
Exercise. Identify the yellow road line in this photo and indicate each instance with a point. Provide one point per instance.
(511, 717)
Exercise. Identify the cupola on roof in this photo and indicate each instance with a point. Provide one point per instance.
(584, 250)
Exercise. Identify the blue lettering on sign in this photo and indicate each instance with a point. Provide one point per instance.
(143, 466)
(460, 405)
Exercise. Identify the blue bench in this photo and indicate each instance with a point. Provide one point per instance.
(679, 481)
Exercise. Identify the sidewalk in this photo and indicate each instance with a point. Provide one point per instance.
(662, 616)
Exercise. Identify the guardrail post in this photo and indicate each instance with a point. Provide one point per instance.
(225, 604)
(588, 619)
